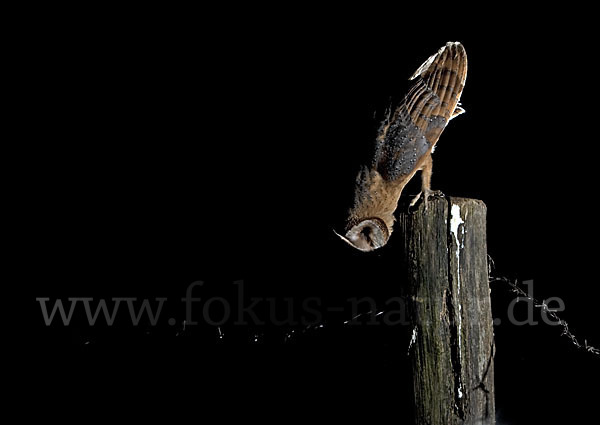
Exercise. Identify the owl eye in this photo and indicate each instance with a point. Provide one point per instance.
(367, 232)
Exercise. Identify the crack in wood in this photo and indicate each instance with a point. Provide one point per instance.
(455, 348)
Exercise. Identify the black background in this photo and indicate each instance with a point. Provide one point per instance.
(158, 153)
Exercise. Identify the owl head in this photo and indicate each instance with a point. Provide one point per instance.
(367, 235)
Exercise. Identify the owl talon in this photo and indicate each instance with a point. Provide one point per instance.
(426, 193)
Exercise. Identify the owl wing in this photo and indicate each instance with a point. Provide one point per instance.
(418, 121)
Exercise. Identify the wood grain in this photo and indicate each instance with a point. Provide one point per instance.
(445, 257)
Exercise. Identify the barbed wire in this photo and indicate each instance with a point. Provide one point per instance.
(515, 288)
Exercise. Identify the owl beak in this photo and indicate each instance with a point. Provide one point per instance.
(345, 239)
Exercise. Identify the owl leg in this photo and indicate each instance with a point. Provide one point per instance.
(426, 171)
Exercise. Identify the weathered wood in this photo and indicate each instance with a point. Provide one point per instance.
(452, 348)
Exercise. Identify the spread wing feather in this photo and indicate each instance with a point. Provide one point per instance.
(419, 120)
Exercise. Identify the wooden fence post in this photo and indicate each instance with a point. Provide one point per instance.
(452, 344)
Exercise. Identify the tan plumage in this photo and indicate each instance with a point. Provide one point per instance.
(404, 146)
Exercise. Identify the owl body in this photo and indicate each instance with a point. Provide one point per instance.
(404, 146)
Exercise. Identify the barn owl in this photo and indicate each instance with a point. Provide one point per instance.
(404, 146)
